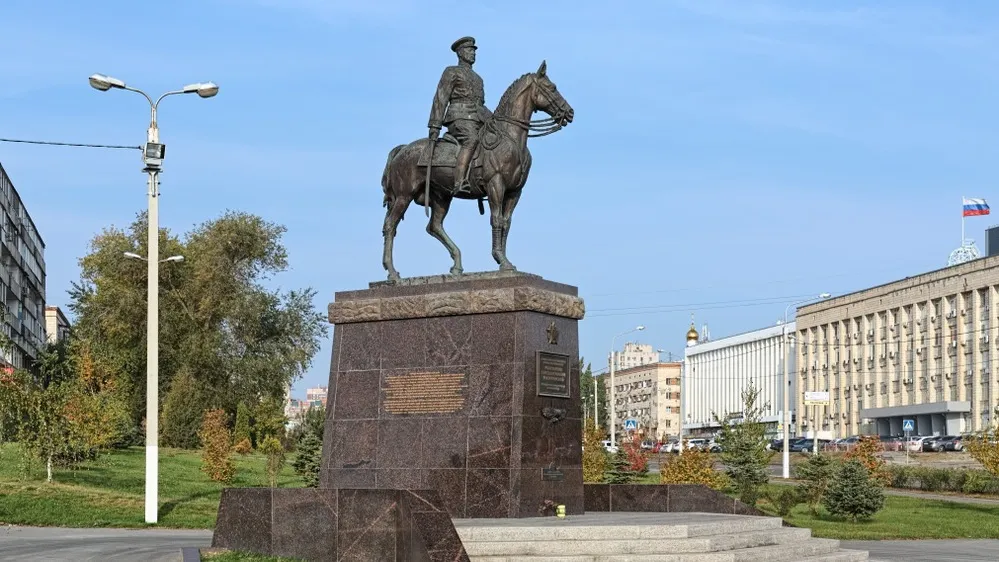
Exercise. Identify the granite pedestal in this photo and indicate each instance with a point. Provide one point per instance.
(468, 386)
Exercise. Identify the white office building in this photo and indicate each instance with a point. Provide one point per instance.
(715, 374)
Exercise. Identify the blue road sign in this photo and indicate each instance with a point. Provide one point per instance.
(631, 424)
(908, 425)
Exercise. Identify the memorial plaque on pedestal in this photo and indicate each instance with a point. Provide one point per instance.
(552, 370)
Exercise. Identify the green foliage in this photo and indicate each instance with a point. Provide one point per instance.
(619, 469)
(933, 479)
(308, 459)
(242, 430)
(216, 442)
(744, 446)
(816, 472)
(784, 498)
(309, 456)
(868, 452)
(853, 492)
(692, 466)
(183, 411)
(587, 382)
(268, 420)
(594, 454)
(239, 340)
(272, 447)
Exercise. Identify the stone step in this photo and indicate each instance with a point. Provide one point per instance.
(813, 550)
(475, 531)
(611, 546)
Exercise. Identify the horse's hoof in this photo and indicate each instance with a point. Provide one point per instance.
(457, 271)
(394, 278)
(508, 267)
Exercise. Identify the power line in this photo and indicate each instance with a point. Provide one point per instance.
(76, 144)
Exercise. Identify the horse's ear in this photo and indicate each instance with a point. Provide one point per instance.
(543, 68)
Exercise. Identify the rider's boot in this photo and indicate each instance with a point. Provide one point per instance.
(461, 184)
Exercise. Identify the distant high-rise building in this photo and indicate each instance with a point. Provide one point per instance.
(22, 279)
(316, 396)
(636, 354)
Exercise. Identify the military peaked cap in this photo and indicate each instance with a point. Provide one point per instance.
(463, 42)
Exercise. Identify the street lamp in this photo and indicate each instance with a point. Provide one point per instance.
(153, 153)
(613, 409)
(787, 384)
(138, 257)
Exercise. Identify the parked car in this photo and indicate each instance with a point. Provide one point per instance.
(932, 444)
(955, 444)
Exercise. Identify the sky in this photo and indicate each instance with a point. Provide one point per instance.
(727, 157)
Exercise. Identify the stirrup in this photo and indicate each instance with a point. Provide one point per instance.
(464, 187)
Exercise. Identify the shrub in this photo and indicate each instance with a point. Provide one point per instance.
(816, 472)
(867, 452)
(638, 461)
(984, 448)
(854, 492)
(692, 467)
(275, 458)
(216, 443)
(784, 498)
(594, 454)
(243, 447)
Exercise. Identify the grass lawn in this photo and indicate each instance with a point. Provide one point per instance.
(903, 518)
(109, 492)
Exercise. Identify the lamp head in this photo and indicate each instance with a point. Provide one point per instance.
(203, 89)
(175, 258)
(104, 83)
(134, 256)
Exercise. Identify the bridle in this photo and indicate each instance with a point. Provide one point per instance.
(548, 125)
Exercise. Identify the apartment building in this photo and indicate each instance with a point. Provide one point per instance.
(56, 325)
(316, 397)
(717, 372)
(22, 279)
(636, 354)
(918, 348)
(648, 394)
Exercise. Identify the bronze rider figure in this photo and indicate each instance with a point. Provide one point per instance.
(459, 103)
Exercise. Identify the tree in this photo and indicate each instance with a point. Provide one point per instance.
(268, 420)
(816, 472)
(239, 340)
(309, 455)
(867, 452)
(744, 446)
(984, 447)
(275, 458)
(594, 454)
(587, 382)
(216, 444)
(242, 430)
(853, 493)
(183, 411)
(619, 469)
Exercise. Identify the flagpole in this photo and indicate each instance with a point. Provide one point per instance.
(962, 221)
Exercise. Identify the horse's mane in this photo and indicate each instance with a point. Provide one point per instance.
(508, 96)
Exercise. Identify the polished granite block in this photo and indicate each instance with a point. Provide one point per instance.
(662, 498)
(351, 525)
(439, 378)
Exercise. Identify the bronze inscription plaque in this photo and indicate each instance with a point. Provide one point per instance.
(553, 374)
(424, 393)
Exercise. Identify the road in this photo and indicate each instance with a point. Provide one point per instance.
(38, 544)
(929, 551)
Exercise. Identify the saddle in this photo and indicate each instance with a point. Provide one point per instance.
(446, 153)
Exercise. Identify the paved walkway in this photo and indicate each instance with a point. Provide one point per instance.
(929, 551)
(37, 544)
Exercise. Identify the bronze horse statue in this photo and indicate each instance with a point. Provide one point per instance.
(498, 172)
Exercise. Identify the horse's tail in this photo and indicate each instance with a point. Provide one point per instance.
(387, 199)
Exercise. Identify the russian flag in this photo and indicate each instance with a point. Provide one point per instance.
(975, 207)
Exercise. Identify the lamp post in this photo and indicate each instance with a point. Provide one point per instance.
(153, 153)
(787, 384)
(613, 361)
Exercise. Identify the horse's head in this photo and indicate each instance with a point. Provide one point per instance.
(548, 99)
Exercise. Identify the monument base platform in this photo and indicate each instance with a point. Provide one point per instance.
(466, 385)
(338, 525)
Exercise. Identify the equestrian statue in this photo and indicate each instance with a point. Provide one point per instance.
(483, 155)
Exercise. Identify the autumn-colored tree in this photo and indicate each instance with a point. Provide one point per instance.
(984, 448)
(594, 454)
(275, 458)
(868, 452)
(216, 443)
(692, 466)
(638, 459)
